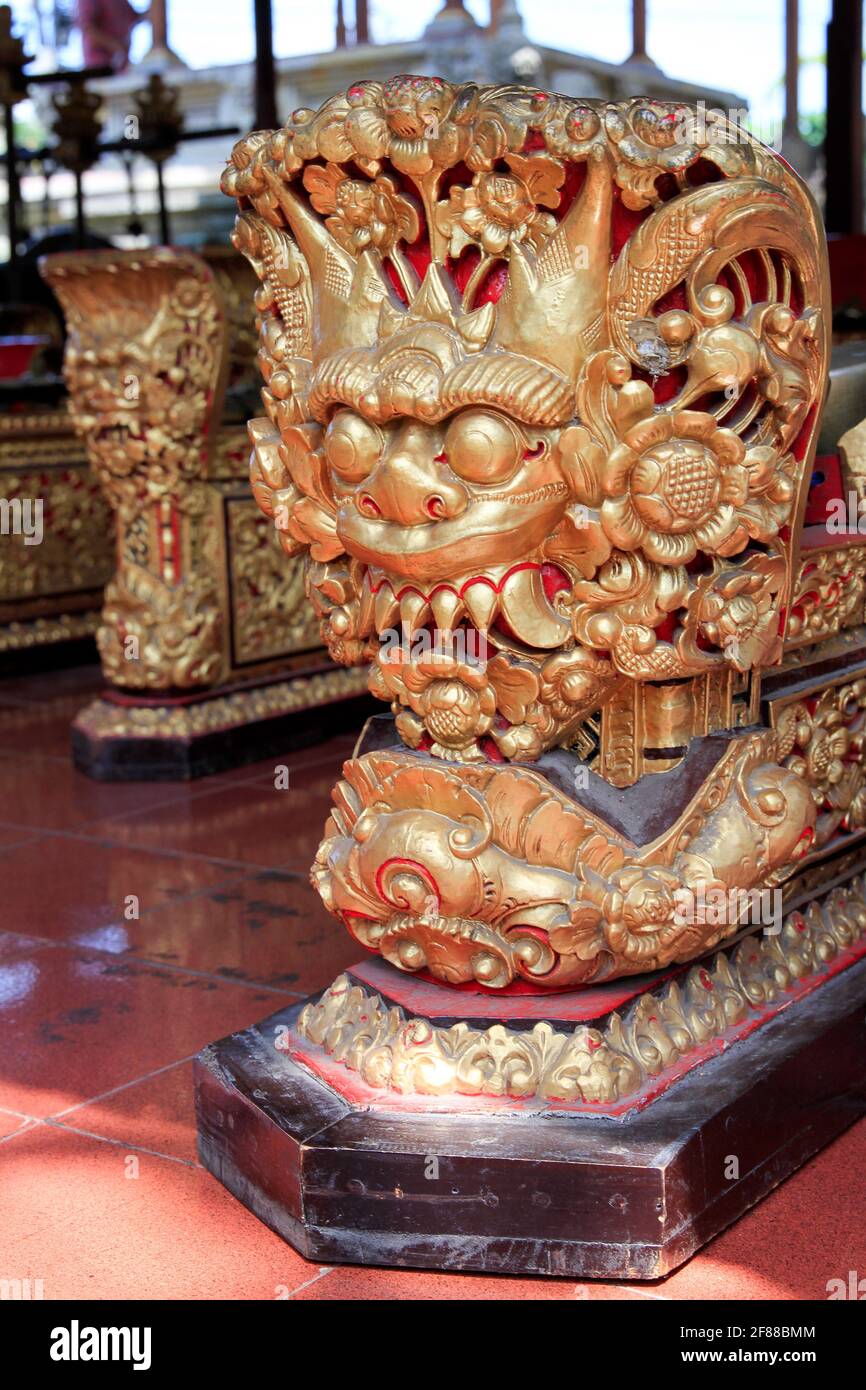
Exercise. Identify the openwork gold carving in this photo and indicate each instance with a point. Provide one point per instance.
(50, 592)
(69, 558)
(455, 371)
(542, 380)
(195, 594)
(270, 614)
(670, 1025)
(830, 594)
(145, 363)
(826, 736)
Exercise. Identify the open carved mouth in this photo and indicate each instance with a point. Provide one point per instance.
(514, 603)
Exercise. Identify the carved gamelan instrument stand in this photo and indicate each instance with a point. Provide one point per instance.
(210, 652)
(544, 379)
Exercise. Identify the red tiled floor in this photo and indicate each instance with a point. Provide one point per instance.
(401, 1285)
(91, 1224)
(10, 836)
(102, 1194)
(98, 881)
(250, 823)
(38, 730)
(157, 1113)
(49, 794)
(14, 944)
(10, 1122)
(265, 927)
(76, 1024)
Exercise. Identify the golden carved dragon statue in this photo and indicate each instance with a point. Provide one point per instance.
(542, 382)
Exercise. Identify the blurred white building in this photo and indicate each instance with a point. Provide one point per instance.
(453, 46)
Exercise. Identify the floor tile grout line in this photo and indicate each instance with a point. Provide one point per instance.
(645, 1293)
(124, 1086)
(27, 840)
(161, 805)
(197, 974)
(32, 1123)
(120, 1143)
(322, 1274)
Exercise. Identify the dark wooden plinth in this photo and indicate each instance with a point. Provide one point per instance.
(629, 1197)
(177, 758)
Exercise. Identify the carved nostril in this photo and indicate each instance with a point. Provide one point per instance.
(368, 506)
(435, 506)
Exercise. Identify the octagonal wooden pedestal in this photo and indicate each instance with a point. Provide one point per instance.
(362, 1176)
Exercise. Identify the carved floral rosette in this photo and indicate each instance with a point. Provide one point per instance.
(542, 380)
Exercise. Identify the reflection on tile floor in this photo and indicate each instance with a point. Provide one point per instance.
(138, 923)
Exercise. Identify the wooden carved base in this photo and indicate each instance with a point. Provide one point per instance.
(127, 740)
(48, 643)
(395, 1122)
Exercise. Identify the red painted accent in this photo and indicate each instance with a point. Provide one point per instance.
(395, 280)
(674, 299)
(418, 254)
(490, 750)
(461, 269)
(492, 286)
(624, 223)
(826, 486)
(703, 171)
(554, 580)
(421, 993)
(575, 178)
(475, 579)
(416, 868)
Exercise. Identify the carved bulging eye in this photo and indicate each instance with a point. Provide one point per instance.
(482, 447)
(352, 446)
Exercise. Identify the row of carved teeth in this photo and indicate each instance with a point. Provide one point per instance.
(445, 608)
(518, 596)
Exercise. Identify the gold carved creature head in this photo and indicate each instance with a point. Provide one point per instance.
(541, 377)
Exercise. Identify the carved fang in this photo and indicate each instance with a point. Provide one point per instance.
(387, 608)
(482, 604)
(447, 609)
(414, 611)
(366, 608)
